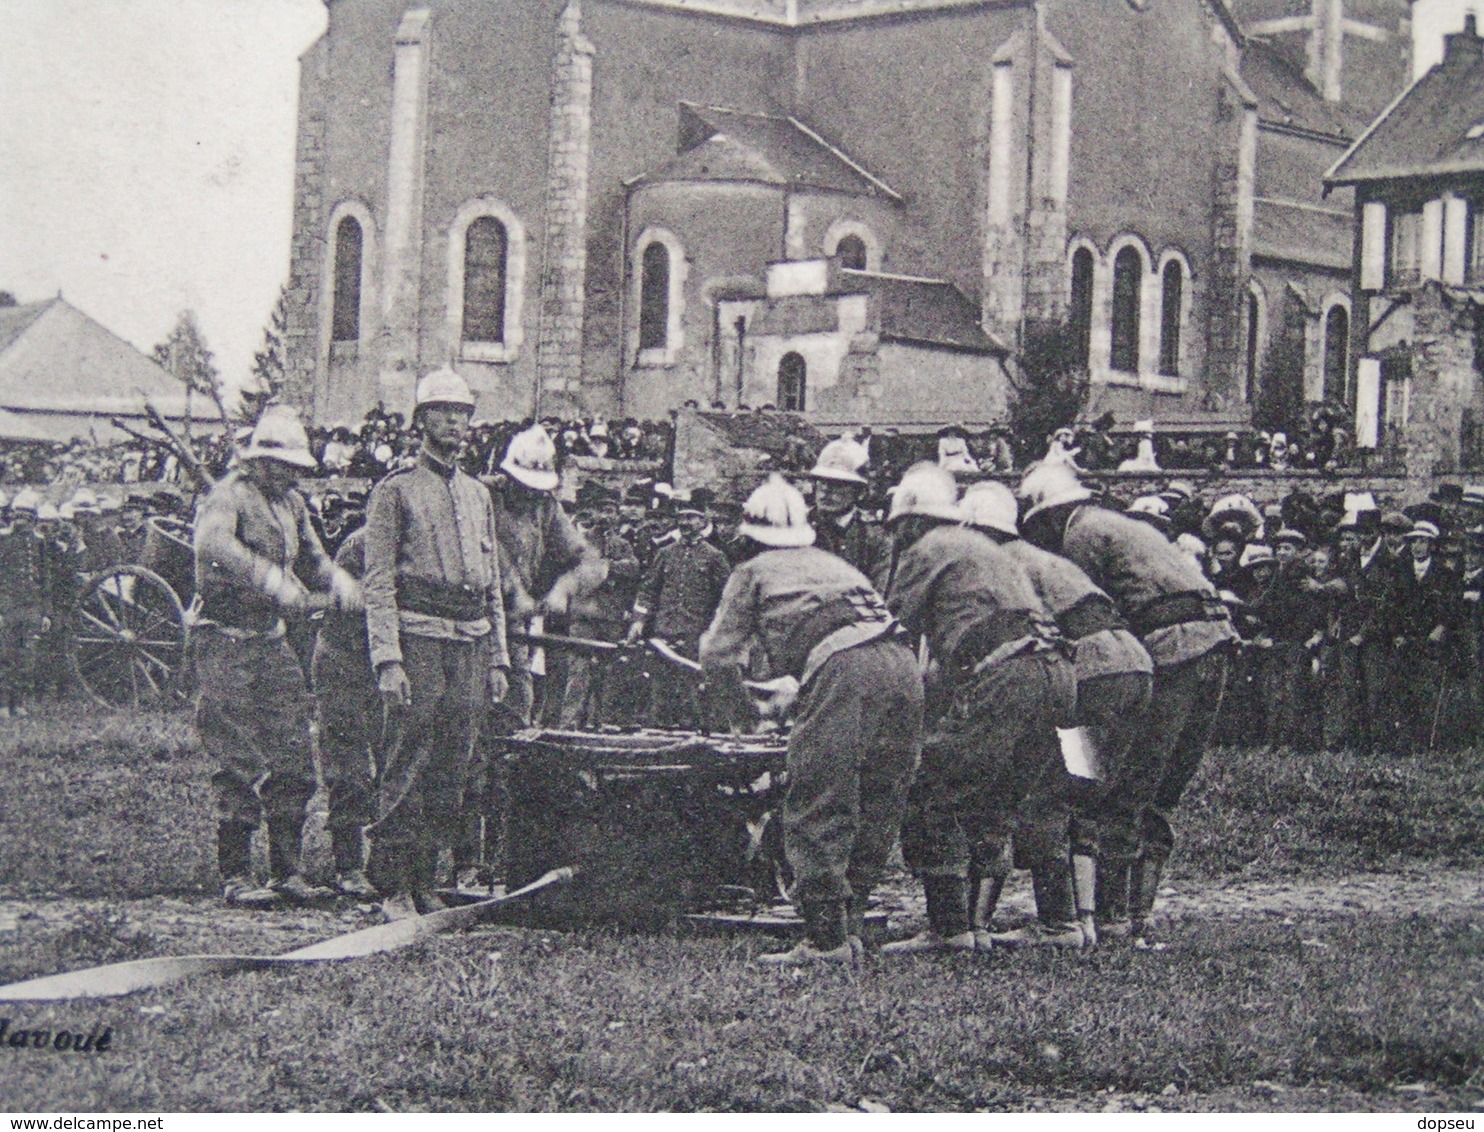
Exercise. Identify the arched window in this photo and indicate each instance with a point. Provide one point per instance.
(1172, 299)
(345, 318)
(1128, 284)
(486, 249)
(1079, 314)
(654, 298)
(1336, 352)
(792, 383)
(1254, 344)
(852, 253)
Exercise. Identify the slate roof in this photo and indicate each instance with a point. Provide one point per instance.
(1286, 98)
(929, 311)
(720, 144)
(1303, 234)
(1426, 132)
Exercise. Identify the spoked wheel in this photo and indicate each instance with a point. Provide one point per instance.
(129, 630)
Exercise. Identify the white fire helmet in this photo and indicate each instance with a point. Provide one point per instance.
(444, 387)
(926, 489)
(992, 505)
(531, 459)
(776, 515)
(841, 460)
(1049, 485)
(280, 436)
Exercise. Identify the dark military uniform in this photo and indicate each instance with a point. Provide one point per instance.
(677, 598)
(348, 710)
(23, 610)
(861, 543)
(253, 709)
(858, 719)
(433, 604)
(1184, 627)
(1012, 687)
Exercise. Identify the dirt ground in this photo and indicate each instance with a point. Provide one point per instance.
(182, 925)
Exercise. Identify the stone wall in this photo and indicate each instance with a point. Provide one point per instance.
(307, 249)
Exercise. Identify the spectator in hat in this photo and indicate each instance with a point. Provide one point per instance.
(1421, 610)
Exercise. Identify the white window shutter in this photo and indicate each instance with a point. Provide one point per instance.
(1455, 240)
(1373, 247)
(1368, 402)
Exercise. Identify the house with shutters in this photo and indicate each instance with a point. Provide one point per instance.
(1417, 335)
(864, 210)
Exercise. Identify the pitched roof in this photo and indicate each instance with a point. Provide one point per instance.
(1435, 127)
(719, 144)
(59, 368)
(929, 311)
(1286, 98)
(1303, 233)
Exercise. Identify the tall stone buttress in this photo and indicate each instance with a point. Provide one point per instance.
(1233, 182)
(307, 249)
(406, 162)
(564, 238)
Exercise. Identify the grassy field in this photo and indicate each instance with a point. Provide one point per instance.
(1303, 1011)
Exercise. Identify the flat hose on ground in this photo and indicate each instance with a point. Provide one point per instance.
(117, 979)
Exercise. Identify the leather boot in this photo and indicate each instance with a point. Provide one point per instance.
(1143, 888)
(348, 846)
(984, 898)
(285, 839)
(826, 942)
(233, 849)
(1113, 877)
(1056, 913)
(855, 926)
(948, 919)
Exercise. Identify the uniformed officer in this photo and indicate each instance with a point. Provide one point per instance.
(1115, 679)
(348, 711)
(842, 529)
(1011, 688)
(23, 601)
(858, 719)
(256, 557)
(677, 598)
(1186, 630)
(435, 621)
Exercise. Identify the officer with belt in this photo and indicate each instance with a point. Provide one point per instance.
(1011, 688)
(858, 717)
(1115, 678)
(436, 626)
(1186, 630)
(256, 557)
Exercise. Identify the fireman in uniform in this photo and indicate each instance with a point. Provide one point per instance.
(1011, 687)
(1115, 678)
(1186, 630)
(24, 615)
(858, 716)
(256, 557)
(348, 711)
(841, 527)
(435, 621)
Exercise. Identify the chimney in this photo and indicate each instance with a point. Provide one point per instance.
(1326, 50)
(1464, 47)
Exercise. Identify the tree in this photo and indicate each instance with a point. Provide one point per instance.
(7, 299)
(1051, 388)
(268, 363)
(185, 357)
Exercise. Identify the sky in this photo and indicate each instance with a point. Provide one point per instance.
(146, 157)
(146, 160)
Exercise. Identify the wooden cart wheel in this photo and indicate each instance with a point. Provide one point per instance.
(129, 638)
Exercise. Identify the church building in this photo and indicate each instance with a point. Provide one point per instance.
(864, 210)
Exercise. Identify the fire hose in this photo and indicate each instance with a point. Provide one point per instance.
(115, 979)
